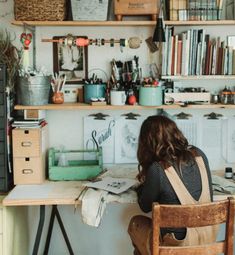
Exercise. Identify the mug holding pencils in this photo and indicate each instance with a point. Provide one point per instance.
(57, 84)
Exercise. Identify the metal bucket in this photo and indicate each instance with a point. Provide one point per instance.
(33, 90)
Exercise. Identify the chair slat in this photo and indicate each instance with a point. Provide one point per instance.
(212, 249)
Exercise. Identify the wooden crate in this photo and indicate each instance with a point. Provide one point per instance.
(77, 169)
(135, 7)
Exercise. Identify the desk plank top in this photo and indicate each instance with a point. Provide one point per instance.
(48, 193)
(65, 192)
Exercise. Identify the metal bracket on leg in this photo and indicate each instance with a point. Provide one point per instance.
(55, 213)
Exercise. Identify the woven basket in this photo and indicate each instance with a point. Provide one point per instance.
(40, 10)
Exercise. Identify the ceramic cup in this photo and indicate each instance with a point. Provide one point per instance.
(117, 97)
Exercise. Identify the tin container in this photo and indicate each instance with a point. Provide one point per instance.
(150, 96)
(94, 91)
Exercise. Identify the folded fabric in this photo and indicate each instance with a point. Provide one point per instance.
(222, 185)
(93, 206)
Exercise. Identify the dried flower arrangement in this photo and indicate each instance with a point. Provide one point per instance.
(10, 56)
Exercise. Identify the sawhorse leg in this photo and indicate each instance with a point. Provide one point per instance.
(39, 231)
(55, 213)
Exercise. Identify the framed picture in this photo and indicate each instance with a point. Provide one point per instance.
(70, 60)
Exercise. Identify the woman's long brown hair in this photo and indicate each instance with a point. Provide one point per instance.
(161, 140)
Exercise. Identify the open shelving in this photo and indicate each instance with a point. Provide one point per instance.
(124, 23)
(82, 106)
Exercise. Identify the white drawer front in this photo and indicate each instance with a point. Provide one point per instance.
(1, 221)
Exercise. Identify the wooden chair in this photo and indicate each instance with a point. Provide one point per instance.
(180, 216)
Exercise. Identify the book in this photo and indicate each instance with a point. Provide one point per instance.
(179, 58)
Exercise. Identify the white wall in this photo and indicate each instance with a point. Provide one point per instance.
(65, 127)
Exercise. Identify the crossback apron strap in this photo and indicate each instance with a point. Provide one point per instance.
(181, 191)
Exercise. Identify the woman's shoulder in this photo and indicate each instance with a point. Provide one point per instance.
(198, 151)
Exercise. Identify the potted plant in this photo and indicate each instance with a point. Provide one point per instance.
(10, 56)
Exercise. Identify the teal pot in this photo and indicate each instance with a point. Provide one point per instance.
(150, 96)
(93, 91)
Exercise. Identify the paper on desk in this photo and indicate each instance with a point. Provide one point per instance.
(113, 185)
(222, 185)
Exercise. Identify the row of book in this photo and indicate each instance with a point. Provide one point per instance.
(193, 9)
(194, 52)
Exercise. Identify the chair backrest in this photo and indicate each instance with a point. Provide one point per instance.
(182, 216)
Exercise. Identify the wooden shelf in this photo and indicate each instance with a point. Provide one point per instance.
(86, 23)
(79, 106)
(200, 23)
(199, 77)
(123, 23)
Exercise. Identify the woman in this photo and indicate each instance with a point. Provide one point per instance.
(170, 172)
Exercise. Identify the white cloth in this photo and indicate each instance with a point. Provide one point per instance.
(222, 185)
(93, 206)
(94, 202)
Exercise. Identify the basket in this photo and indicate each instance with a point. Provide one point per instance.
(40, 10)
(79, 166)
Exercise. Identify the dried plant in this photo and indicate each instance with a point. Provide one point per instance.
(10, 56)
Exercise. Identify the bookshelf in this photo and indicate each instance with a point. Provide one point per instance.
(199, 77)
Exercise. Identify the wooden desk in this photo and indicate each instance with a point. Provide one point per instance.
(65, 193)
(61, 193)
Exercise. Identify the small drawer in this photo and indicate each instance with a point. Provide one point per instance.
(1, 86)
(2, 147)
(28, 170)
(2, 122)
(2, 135)
(1, 98)
(1, 221)
(2, 159)
(2, 110)
(26, 142)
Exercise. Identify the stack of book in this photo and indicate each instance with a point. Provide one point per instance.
(194, 9)
(29, 123)
(195, 53)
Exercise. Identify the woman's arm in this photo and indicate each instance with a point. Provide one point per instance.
(149, 191)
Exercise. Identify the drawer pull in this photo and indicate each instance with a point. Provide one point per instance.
(26, 144)
(27, 171)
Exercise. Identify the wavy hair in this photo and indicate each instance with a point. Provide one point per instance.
(160, 140)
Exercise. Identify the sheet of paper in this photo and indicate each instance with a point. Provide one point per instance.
(99, 133)
(211, 141)
(126, 139)
(189, 129)
(113, 185)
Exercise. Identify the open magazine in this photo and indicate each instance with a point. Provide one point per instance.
(113, 185)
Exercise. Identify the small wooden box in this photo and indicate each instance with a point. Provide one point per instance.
(28, 170)
(135, 7)
(26, 142)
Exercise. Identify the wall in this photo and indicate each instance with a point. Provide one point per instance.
(65, 127)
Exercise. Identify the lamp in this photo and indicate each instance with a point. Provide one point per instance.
(159, 32)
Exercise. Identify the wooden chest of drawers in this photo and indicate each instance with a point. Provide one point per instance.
(29, 155)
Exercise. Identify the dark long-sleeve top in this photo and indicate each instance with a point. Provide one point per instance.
(157, 187)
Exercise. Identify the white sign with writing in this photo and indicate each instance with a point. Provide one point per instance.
(100, 133)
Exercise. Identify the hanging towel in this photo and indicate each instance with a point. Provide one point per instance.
(93, 206)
